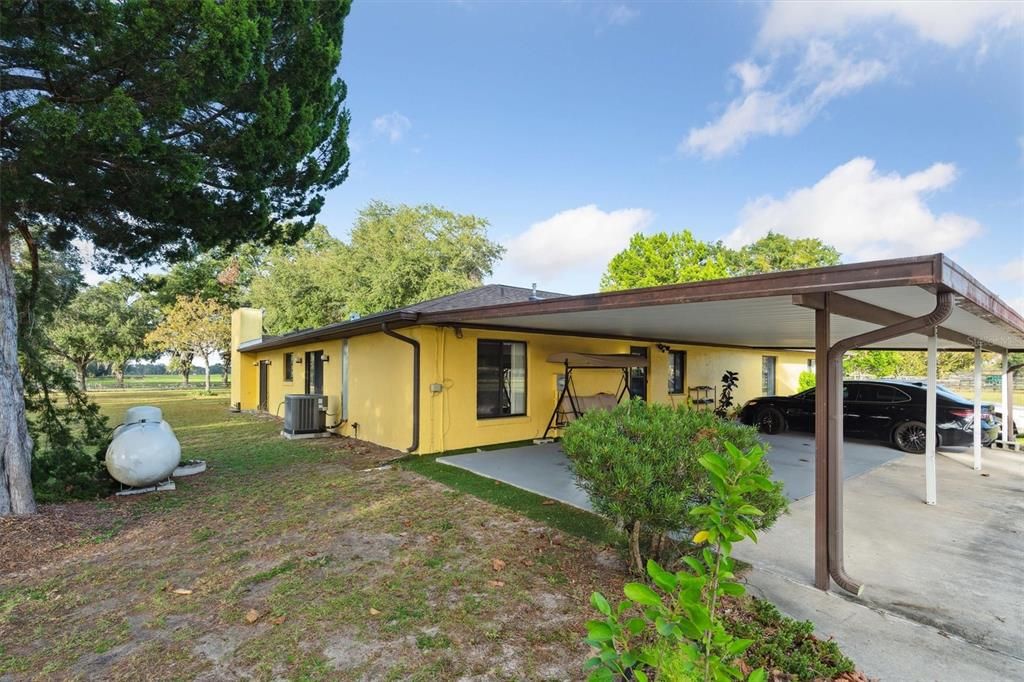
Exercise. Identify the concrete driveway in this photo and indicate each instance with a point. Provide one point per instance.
(944, 596)
(544, 469)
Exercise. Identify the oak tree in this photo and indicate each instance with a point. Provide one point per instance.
(193, 327)
(678, 257)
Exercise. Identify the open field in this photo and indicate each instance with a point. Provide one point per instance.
(153, 381)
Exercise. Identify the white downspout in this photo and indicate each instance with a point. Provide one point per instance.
(930, 426)
(977, 408)
(1006, 385)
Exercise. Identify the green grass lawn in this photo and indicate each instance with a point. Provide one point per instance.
(301, 560)
(346, 574)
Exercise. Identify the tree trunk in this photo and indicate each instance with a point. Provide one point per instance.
(226, 364)
(206, 361)
(15, 443)
(82, 368)
(119, 375)
(634, 549)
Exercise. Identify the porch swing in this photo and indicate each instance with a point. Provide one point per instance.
(570, 405)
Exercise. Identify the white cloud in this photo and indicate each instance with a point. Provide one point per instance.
(862, 213)
(581, 237)
(619, 14)
(751, 75)
(952, 24)
(820, 77)
(1013, 271)
(816, 28)
(393, 125)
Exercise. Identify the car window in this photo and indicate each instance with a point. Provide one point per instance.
(853, 391)
(890, 394)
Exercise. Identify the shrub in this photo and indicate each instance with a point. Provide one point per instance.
(781, 643)
(807, 380)
(639, 464)
(678, 634)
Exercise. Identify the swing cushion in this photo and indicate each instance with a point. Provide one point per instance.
(586, 403)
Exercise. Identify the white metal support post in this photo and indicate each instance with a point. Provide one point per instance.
(930, 426)
(1007, 386)
(977, 408)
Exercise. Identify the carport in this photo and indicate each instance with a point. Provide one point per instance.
(921, 303)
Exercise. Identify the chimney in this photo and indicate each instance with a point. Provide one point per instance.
(533, 295)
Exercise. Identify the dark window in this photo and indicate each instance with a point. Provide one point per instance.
(676, 371)
(638, 375)
(876, 393)
(289, 366)
(767, 375)
(500, 379)
(314, 372)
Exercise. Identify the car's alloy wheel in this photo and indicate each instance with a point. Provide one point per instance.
(770, 421)
(911, 437)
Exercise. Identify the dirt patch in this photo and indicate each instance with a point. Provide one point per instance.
(27, 542)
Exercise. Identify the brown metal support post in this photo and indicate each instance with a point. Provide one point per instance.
(822, 342)
(924, 324)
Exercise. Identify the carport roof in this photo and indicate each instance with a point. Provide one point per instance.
(769, 311)
(774, 311)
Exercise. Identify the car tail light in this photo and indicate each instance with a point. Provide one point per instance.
(963, 414)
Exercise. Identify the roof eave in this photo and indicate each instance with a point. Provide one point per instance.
(340, 330)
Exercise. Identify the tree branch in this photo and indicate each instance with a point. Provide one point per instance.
(13, 82)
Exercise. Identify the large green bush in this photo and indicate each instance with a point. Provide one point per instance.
(639, 464)
(807, 380)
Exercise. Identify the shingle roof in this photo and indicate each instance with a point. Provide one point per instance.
(486, 295)
(489, 294)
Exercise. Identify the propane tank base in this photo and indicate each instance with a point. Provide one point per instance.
(159, 487)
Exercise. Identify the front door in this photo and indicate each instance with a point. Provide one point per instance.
(315, 372)
(638, 375)
(262, 405)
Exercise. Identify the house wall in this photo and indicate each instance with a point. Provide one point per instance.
(380, 377)
(449, 417)
(246, 325)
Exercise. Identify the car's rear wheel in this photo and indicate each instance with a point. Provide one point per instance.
(910, 437)
(769, 420)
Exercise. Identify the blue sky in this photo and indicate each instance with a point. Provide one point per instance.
(885, 129)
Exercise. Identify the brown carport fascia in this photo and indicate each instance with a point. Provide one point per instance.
(917, 271)
(935, 273)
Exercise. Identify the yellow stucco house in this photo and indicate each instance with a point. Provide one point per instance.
(412, 380)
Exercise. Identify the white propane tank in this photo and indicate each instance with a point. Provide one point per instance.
(144, 450)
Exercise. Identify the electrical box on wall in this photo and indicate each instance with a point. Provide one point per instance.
(436, 388)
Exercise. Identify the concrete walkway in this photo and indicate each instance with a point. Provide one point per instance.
(944, 597)
(544, 469)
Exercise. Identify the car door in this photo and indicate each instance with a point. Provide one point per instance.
(890, 403)
(800, 411)
(856, 397)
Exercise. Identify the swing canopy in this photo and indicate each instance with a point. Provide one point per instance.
(598, 360)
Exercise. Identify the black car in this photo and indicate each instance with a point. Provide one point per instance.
(890, 411)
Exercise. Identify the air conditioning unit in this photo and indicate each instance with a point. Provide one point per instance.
(305, 416)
